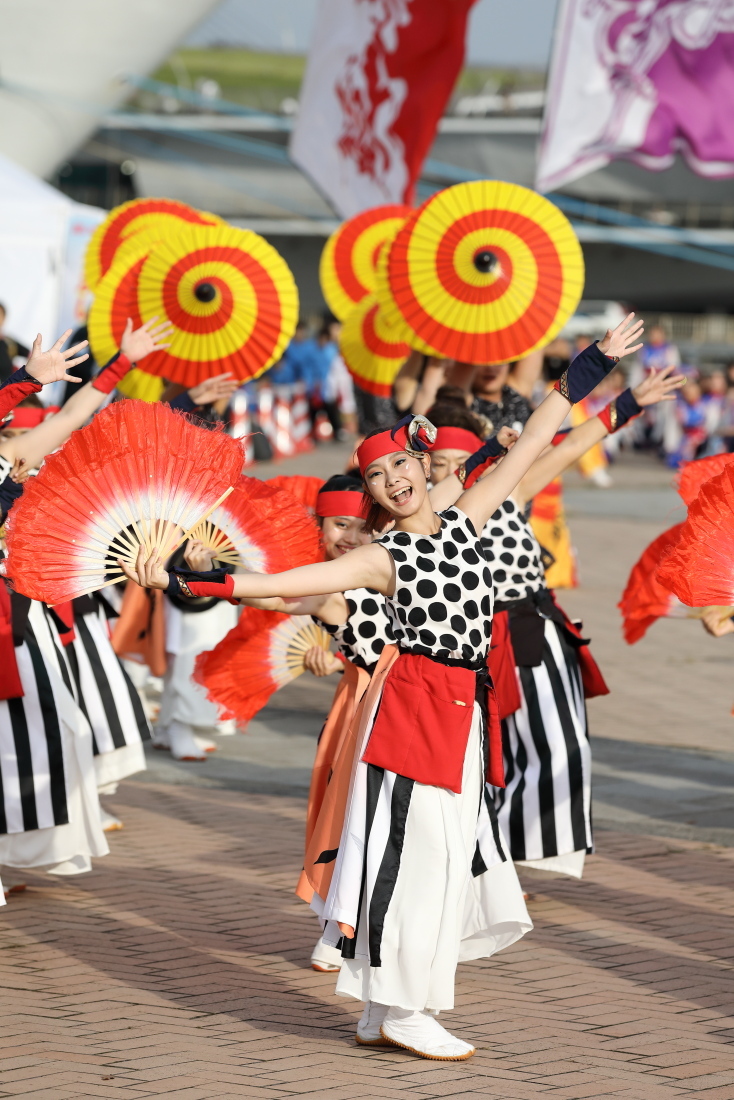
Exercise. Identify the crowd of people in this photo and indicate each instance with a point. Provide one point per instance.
(456, 751)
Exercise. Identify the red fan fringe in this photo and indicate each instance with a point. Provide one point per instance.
(131, 446)
(304, 489)
(236, 673)
(280, 525)
(644, 599)
(700, 568)
(693, 475)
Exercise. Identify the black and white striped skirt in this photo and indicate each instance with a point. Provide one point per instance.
(49, 811)
(545, 808)
(109, 700)
(422, 875)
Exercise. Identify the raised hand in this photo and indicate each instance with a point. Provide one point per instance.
(53, 365)
(148, 571)
(660, 385)
(136, 345)
(616, 342)
(198, 557)
(216, 388)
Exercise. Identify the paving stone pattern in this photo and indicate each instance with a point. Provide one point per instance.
(179, 967)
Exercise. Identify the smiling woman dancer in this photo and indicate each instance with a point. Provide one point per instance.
(410, 891)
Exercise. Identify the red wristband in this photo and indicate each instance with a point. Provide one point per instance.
(12, 395)
(222, 588)
(112, 373)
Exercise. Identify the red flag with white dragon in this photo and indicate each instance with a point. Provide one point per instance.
(379, 75)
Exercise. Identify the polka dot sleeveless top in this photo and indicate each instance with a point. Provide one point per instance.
(362, 638)
(442, 605)
(514, 553)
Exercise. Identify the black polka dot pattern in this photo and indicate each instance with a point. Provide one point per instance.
(441, 584)
(508, 540)
(362, 638)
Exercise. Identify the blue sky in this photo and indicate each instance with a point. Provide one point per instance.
(501, 32)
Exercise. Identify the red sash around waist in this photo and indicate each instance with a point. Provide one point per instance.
(424, 719)
(10, 685)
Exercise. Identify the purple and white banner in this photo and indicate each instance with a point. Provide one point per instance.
(641, 79)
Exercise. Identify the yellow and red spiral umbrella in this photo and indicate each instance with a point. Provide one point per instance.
(349, 261)
(486, 271)
(229, 297)
(373, 351)
(116, 299)
(389, 311)
(154, 217)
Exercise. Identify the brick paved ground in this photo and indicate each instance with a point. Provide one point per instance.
(180, 966)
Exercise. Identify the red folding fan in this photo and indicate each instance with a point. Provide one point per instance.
(700, 568)
(139, 474)
(261, 654)
(693, 475)
(305, 489)
(645, 600)
(261, 528)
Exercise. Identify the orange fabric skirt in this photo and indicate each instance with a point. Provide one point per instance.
(336, 759)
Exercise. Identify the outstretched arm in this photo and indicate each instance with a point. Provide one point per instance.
(34, 445)
(584, 374)
(366, 567)
(658, 386)
(331, 609)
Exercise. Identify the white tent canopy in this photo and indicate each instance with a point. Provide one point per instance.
(43, 236)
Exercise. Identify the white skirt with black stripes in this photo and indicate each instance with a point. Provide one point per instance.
(49, 811)
(545, 808)
(423, 875)
(109, 700)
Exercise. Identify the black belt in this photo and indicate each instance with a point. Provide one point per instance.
(478, 666)
(527, 625)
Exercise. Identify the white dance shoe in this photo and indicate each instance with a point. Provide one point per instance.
(159, 738)
(110, 823)
(422, 1034)
(368, 1028)
(205, 743)
(226, 728)
(184, 744)
(326, 959)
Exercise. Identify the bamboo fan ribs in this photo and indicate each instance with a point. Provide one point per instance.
(263, 653)
(261, 528)
(138, 475)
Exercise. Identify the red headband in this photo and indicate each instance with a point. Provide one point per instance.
(456, 439)
(345, 502)
(413, 434)
(29, 416)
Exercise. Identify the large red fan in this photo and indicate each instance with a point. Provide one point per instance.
(700, 568)
(645, 600)
(262, 528)
(261, 654)
(693, 475)
(305, 489)
(138, 474)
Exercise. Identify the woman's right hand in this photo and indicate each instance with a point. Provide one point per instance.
(148, 571)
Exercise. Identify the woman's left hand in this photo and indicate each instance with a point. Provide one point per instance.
(198, 557)
(148, 572)
(660, 385)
